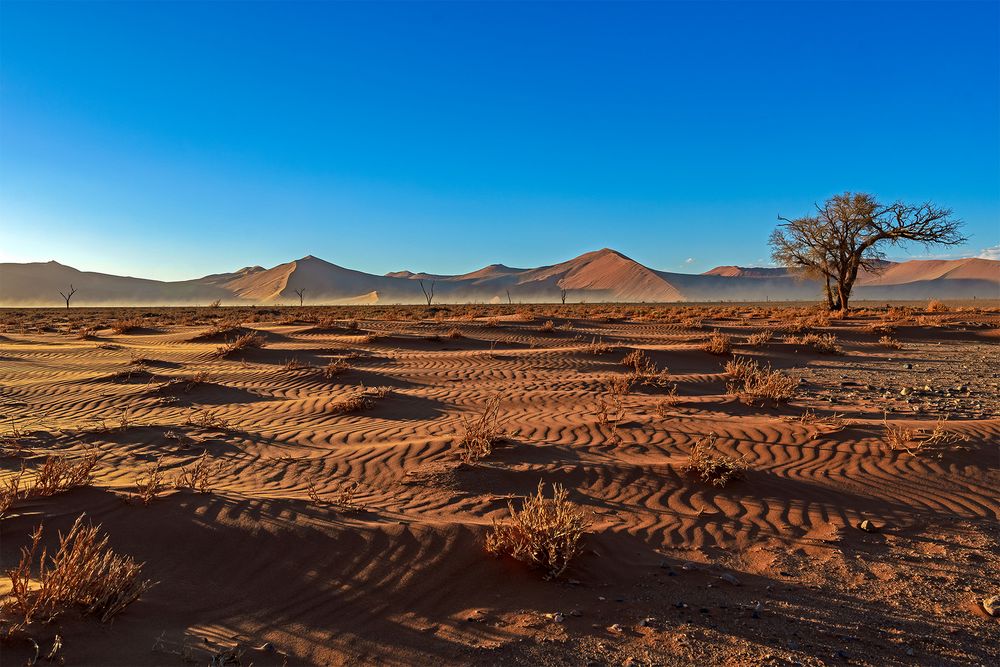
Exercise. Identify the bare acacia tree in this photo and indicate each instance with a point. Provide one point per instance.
(429, 295)
(301, 293)
(849, 232)
(67, 297)
(562, 295)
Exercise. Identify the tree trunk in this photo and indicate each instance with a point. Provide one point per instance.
(843, 295)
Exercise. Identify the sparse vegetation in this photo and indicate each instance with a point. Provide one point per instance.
(83, 572)
(203, 475)
(754, 384)
(890, 343)
(481, 433)
(718, 343)
(244, 343)
(546, 532)
(710, 465)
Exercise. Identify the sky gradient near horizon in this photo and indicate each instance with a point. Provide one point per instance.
(174, 140)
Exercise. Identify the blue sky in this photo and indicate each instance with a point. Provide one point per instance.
(174, 140)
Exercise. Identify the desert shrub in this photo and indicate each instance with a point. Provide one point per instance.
(756, 384)
(890, 343)
(718, 343)
(712, 466)
(759, 338)
(935, 306)
(348, 404)
(185, 383)
(201, 476)
(343, 497)
(294, 364)
(247, 341)
(207, 419)
(547, 327)
(455, 333)
(822, 343)
(598, 346)
(124, 325)
(620, 385)
(546, 532)
(741, 367)
(60, 473)
(150, 484)
(83, 572)
(481, 433)
(920, 442)
(335, 368)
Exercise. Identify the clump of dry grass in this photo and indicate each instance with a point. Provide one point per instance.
(481, 433)
(201, 476)
(644, 371)
(207, 419)
(87, 333)
(84, 572)
(759, 338)
(455, 333)
(547, 327)
(352, 403)
(126, 325)
(935, 306)
(546, 532)
(335, 368)
(718, 343)
(57, 474)
(294, 364)
(754, 383)
(710, 465)
(186, 383)
(890, 343)
(245, 342)
(740, 368)
(344, 497)
(598, 346)
(150, 484)
(920, 442)
(822, 343)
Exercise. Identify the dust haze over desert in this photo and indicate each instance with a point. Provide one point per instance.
(634, 334)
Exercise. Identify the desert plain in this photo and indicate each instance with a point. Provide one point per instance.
(298, 485)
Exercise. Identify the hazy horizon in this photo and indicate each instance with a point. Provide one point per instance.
(446, 137)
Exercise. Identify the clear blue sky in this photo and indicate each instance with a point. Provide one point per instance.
(173, 140)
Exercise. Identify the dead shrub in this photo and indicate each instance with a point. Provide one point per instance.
(545, 533)
(481, 433)
(718, 343)
(455, 333)
(920, 442)
(598, 346)
(822, 343)
(201, 476)
(348, 404)
(125, 325)
(84, 572)
(547, 327)
(890, 343)
(335, 368)
(712, 466)
(248, 341)
(60, 473)
(756, 384)
(935, 306)
(760, 338)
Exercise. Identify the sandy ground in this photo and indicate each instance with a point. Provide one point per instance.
(770, 569)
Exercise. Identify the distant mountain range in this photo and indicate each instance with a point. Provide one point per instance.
(600, 276)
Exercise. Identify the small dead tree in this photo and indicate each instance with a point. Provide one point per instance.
(508, 298)
(562, 295)
(428, 294)
(301, 293)
(67, 297)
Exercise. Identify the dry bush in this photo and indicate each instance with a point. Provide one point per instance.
(620, 385)
(712, 466)
(935, 306)
(248, 341)
(822, 343)
(335, 368)
(548, 327)
(201, 476)
(759, 338)
(379, 392)
(185, 383)
(693, 323)
(207, 419)
(644, 371)
(150, 484)
(126, 325)
(756, 384)
(718, 343)
(344, 497)
(294, 364)
(920, 442)
(667, 400)
(481, 433)
(598, 346)
(546, 532)
(87, 333)
(348, 404)
(609, 411)
(884, 327)
(83, 572)
(890, 343)
(60, 473)
(455, 333)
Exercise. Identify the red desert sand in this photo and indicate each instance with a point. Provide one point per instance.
(749, 485)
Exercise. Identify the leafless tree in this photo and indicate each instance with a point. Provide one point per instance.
(508, 298)
(562, 295)
(301, 293)
(67, 297)
(850, 232)
(429, 295)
